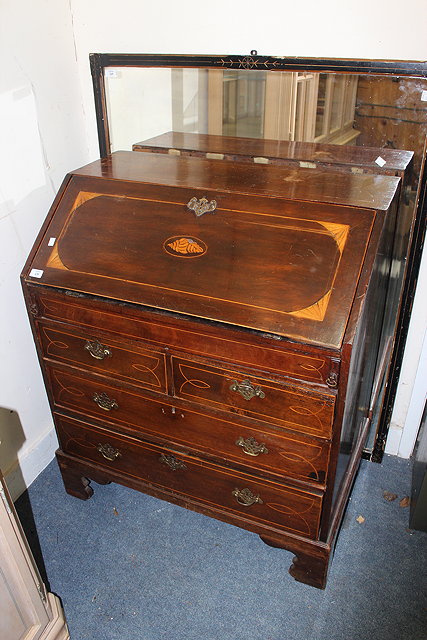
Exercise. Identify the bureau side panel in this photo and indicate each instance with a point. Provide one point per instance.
(360, 356)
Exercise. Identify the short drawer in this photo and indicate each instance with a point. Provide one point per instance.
(103, 355)
(272, 451)
(103, 399)
(216, 487)
(286, 405)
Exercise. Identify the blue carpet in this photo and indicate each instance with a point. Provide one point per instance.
(130, 567)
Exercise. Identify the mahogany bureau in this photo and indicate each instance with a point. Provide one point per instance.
(207, 334)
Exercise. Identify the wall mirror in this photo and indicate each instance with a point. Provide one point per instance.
(313, 112)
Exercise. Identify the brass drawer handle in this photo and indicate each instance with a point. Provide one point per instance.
(172, 462)
(250, 446)
(201, 206)
(97, 350)
(109, 452)
(332, 380)
(104, 402)
(245, 497)
(247, 389)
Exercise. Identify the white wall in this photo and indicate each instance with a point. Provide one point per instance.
(332, 28)
(41, 138)
(47, 124)
(412, 390)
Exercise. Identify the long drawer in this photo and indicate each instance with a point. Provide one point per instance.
(265, 502)
(93, 351)
(242, 347)
(268, 450)
(283, 404)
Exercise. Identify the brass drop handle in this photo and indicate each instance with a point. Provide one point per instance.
(172, 462)
(97, 350)
(250, 446)
(109, 452)
(247, 389)
(104, 401)
(245, 497)
(201, 206)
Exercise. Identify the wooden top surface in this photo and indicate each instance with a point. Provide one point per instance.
(320, 185)
(277, 265)
(395, 159)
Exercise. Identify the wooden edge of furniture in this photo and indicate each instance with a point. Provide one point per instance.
(275, 151)
(45, 225)
(24, 599)
(347, 484)
(335, 443)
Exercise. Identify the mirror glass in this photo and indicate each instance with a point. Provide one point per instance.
(380, 112)
(332, 108)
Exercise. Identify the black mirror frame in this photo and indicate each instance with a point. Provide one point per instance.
(400, 68)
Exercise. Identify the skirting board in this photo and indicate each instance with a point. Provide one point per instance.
(31, 462)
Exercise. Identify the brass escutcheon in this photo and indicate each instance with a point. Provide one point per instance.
(97, 350)
(247, 389)
(34, 310)
(104, 402)
(245, 497)
(250, 446)
(201, 206)
(109, 452)
(172, 462)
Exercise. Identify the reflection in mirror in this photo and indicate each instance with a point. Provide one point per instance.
(352, 123)
(243, 103)
(309, 107)
(362, 110)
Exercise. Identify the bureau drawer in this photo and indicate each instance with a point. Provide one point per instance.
(246, 349)
(102, 355)
(100, 399)
(263, 450)
(216, 487)
(285, 405)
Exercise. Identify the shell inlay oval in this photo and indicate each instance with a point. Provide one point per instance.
(185, 247)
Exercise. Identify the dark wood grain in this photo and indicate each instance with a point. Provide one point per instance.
(192, 428)
(278, 182)
(291, 509)
(281, 152)
(152, 329)
(309, 566)
(298, 458)
(131, 363)
(290, 271)
(285, 405)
